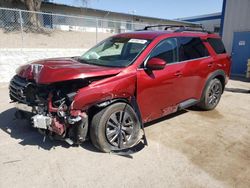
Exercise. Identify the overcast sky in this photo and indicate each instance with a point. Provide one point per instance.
(167, 9)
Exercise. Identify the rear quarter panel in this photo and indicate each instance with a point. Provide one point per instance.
(221, 61)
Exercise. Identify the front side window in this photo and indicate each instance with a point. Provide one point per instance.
(191, 48)
(115, 52)
(166, 50)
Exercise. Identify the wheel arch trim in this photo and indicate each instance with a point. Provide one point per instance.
(216, 74)
(132, 102)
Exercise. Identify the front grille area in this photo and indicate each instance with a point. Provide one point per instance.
(17, 89)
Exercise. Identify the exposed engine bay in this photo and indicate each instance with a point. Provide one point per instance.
(50, 108)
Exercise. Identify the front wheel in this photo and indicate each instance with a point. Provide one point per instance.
(211, 95)
(114, 128)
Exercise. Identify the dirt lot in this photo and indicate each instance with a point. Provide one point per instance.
(187, 149)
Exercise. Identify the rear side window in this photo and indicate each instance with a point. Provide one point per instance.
(191, 48)
(217, 45)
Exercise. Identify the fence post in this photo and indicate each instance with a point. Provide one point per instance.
(96, 32)
(21, 25)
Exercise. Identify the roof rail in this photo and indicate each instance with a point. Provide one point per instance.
(180, 28)
(163, 25)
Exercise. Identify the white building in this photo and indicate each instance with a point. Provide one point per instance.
(210, 22)
(109, 21)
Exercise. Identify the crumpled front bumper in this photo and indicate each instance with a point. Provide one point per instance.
(77, 132)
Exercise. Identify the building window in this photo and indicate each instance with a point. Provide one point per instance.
(129, 25)
(111, 24)
(216, 29)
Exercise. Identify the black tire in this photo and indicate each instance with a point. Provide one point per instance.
(211, 95)
(103, 128)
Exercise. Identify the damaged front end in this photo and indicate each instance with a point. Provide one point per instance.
(49, 106)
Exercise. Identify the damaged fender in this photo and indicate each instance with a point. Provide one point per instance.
(117, 87)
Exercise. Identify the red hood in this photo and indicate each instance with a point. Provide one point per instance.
(62, 69)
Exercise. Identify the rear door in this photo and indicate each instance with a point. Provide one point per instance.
(197, 63)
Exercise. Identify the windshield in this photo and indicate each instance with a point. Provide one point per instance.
(115, 52)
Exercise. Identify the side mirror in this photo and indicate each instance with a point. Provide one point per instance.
(155, 64)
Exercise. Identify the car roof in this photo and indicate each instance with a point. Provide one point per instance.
(150, 35)
(143, 34)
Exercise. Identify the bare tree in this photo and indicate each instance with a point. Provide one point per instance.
(35, 5)
(31, 5)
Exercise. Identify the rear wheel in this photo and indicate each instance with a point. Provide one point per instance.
(115, 127)
(211, 95)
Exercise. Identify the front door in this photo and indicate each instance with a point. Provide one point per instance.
(157, 90)
(240, 53)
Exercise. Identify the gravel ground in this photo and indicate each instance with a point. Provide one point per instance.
(187, 149)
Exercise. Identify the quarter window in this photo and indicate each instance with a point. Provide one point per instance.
(166, 50)
(191, 48)
(217, 45)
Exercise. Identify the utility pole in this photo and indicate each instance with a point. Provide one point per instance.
(132, 12)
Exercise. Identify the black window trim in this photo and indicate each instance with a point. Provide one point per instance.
(195, 59)
(144, 63)
(187, 61)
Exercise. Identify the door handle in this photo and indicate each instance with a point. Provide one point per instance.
(178, 74)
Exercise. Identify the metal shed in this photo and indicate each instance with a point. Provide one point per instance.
(236, 33)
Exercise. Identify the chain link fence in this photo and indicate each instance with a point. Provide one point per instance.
(27, 29)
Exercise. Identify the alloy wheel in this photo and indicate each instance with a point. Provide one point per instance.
(119, 128)
(214, 94)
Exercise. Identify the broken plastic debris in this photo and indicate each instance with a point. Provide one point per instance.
(8, 130)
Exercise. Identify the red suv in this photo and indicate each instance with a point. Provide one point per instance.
(129, 79)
